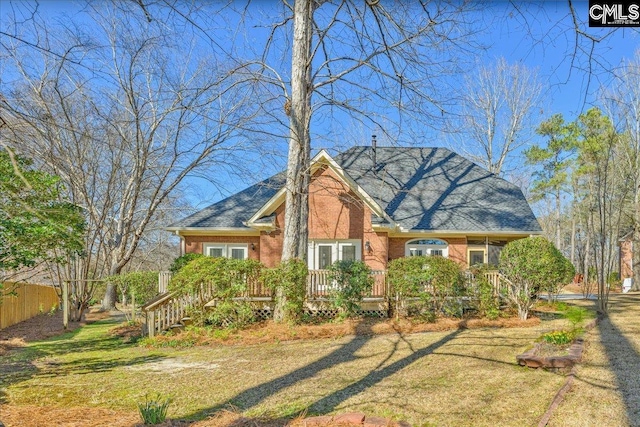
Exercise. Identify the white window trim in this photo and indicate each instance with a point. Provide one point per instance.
(477, 249)
(426, 249)
(313, 257)
(226, 248)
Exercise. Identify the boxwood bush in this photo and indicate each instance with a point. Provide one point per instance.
(533, 265)
(435, 283)
(350, 281)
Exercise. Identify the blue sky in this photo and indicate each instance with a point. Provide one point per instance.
(541, 38)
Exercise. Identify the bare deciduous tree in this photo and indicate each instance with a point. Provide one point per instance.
(346, 53)
(363, 61)
(497, 114)
(123, 116)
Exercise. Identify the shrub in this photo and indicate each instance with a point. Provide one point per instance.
(220, 279)
(154, 411)
(350, 280)
(144, 284)
(533, 265)
(575, 316)
(288, 282)
(486, 302)
(183, 260)
(559, 337)
(231, 314)
(432, 280)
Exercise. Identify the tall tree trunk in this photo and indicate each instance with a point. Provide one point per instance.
(573, 237)
(299, 110)
(558, 228)
(586, 285)
(111, 295)
(635, 243)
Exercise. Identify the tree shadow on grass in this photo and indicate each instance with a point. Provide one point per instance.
(331, 401)
(40, 358)
(253, 396)
(624, 359)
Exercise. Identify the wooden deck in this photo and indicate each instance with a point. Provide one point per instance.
(169, 309)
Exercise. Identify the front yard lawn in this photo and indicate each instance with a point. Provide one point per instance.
(461, 377)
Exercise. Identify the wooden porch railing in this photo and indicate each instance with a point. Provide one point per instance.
(497, 280)
(319, 285)
(169, 309)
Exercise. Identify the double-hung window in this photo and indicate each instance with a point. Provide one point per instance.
(323, 253)
(226, 250)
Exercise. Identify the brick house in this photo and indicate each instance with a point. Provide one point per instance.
(372, 204)
(626, 255)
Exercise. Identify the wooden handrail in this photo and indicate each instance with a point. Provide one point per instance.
(157, 300)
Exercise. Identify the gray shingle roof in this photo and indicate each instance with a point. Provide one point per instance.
(236, 209)
(419, 188)
(436, 189)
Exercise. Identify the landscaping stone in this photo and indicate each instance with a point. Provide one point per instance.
(377, 422)
(531, 360)
(320, 421)
(355, 418)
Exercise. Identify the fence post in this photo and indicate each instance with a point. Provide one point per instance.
(133, 306)
(151, 323)
(65, 304)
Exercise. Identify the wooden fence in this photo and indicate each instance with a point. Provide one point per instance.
(25, 302)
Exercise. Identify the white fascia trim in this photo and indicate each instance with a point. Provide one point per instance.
(268, 227)
(403, 232)
(320, 159)
(385, 228)
(212, 231)
(267, 208)
(323, 158)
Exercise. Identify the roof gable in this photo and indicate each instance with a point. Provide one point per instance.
(319, 160)
(417, 189)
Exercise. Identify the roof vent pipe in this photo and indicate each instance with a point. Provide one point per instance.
(374, 143)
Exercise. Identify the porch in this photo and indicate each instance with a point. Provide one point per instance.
(168, 309)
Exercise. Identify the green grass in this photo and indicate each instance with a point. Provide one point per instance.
(462, 377)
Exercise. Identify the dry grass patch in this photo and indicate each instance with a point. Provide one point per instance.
(461, 376)
(606, 390)
(452, 372)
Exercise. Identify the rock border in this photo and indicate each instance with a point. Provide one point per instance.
(575, 356)
(530, 359)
